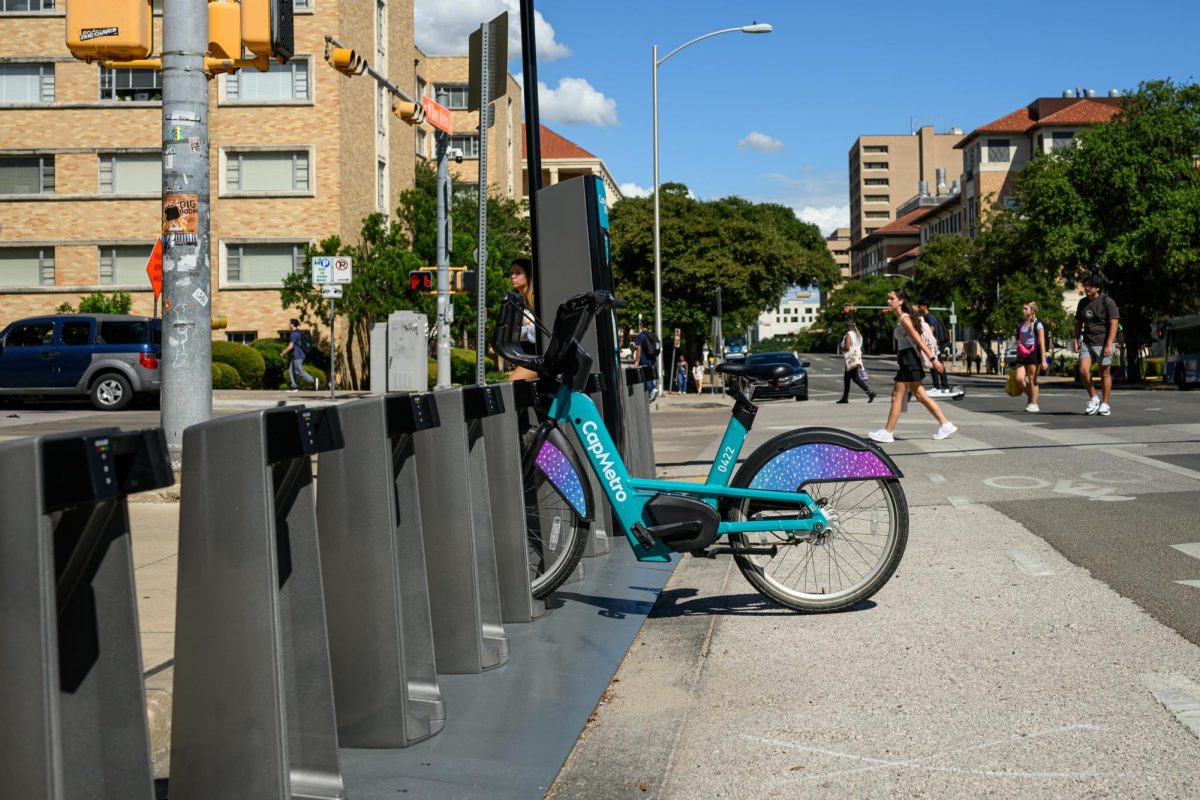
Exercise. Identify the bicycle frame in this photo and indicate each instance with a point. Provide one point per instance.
(628, 495)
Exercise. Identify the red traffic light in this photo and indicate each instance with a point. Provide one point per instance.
(422, 281)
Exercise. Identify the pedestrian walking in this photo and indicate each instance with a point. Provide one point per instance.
(519, 279)
(646, 353)
(698, 376)
(910, 347)
(1031, 354)
(1098, 319)
(681, 375)
(851, 348)
(294, 354)
(942, 338)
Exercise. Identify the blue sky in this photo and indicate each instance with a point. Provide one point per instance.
(772, 117)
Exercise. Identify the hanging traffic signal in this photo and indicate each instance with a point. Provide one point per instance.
(110, 29)
(346, 61)
(411, 113)
(268, 28)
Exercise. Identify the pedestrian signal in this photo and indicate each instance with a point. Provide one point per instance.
(423, 281)
(347, 62)
(109, 29)
(268, 28)
(461, 280)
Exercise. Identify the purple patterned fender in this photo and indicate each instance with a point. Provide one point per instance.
(806, 463)
(558, 470)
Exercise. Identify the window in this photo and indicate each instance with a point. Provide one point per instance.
(125, 265)
(1011, 203)
(124, 85)
(875, 148)
(1041, 143)
(468, 144)
(130, 173)
(26, 5)
(267, 171)
(421, 142)
(1061, 139)
(280, 83)
(75, 332)
(877, 215)
(456, 94)
(381, 185)
(871, 230)
(876, 181)
(241, 337)
(302, 5)
(877, 198)
(27, 175)
(380, 28)
(997, 151)
(26, 266)
(122, 331)
(875, 165)
(263, 263)
(421, 86)
(26, 83)
(31, 334)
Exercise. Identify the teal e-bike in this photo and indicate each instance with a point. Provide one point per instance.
(815, 517)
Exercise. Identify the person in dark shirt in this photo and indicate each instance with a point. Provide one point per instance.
(1097, 318)
(644, 358)
(295, 355)
(940, 382)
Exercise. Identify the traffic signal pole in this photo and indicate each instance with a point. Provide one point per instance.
(187, 284)
(444, 309)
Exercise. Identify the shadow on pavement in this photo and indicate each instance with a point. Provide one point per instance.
(671, 604)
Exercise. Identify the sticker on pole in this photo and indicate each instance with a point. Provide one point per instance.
(333, 291)
(322, 270)
(343, 269)
(437, 115)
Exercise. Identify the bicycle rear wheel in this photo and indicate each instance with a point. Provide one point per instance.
(555, 533)
(837, 568)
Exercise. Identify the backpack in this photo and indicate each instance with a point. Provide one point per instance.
(652, 347)
(1120, 328)
(930, 341)
(306, 345)
(939, 329)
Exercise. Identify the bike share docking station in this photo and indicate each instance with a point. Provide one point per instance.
(72, 699)
(373, 566)
(637, 440)
(253, 698)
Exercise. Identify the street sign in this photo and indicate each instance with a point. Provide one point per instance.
(332, 290)
(954, 319)
(678, 336)
(497, 63)
(437, 115)
(322, 270)
(154, 268)
(342, 269)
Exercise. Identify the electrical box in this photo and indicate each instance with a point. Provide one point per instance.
(110, 29)
(407, 352)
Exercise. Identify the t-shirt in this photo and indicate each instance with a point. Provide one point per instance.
(643, 343)
(1095, 321)
(297, 345)
(938, 327)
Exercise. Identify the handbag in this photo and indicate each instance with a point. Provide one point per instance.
(1012, 386)
(862, 373)
(853, 356)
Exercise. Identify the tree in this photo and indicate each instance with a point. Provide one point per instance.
(849, 303)
(753, 251)
(1125, 202)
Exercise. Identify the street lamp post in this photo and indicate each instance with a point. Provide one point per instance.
(757, 27)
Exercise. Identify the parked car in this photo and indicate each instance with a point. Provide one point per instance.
(794, 385)
(108, 357)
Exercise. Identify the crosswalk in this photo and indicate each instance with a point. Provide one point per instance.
(1190, 549)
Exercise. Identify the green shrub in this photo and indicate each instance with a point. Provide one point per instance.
(274, 375)
(225, 376)
(245, 359)
(462, 366)
(496, 377)
(98, 303)
(317, 373)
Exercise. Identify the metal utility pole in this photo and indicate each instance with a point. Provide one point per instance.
(533, 140)
(485, 110)
(445, 311)
(187, 289)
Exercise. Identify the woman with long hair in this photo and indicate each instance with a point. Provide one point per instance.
(519, 276)
(852, 352)
(1031, 353)
(909, 349)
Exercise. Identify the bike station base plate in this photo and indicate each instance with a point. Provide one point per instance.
(509, 730)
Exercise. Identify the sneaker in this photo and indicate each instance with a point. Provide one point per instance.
(653, 394)
(1105, 410)
(294, 389)
(881, 435)
(870, 397)
(943, 431)
(1093, 405)
(843, 400)
(1032, 408)
(316, 384)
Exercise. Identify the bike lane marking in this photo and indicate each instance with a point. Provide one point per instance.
(959, 502)
(1152, 462)
(1029, 564)
(935, 478)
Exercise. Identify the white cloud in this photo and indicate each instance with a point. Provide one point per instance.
(576, 102)
(828, 219)
(760, 142)
(442, 28)
(633, 190)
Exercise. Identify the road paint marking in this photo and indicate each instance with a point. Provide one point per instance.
(960, 502)
(1027, 482)
(1072, 437)
(1154, 409)
(1151, 462)
(1087, 490)
(1193, 584)
(1028, 564)
(954, 446)
(935, 478)
(1113, 476)
(1178, 695)
(1190, 549)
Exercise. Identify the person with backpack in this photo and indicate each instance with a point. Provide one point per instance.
(851, 347)
(941, 339)
(648, 347)
(298, 346)
(1098, 319)
(1031, 354)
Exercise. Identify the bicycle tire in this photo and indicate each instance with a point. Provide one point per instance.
(855, 507)
(556, 535)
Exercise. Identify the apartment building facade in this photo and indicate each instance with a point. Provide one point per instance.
(886, 170)
(796, 312)
(297, 154)
(838, 244)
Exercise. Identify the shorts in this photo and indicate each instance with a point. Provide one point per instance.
(910, 366)
(1030, 360)
(1096, 353)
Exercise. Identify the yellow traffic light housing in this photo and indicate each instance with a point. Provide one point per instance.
(110, 29)
(411, 113)
(224, 30)
(346, 61)
(268, 28)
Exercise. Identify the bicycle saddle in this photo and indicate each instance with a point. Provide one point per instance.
(763, 372)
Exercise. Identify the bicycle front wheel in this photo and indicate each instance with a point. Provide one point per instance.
(555, 534)
(836, 568)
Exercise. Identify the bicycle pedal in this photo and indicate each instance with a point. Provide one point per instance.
(710, 554)
(643, 536)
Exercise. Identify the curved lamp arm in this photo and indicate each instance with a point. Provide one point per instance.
(758, 27)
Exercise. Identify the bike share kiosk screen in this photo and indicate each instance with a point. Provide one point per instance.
(573, 257)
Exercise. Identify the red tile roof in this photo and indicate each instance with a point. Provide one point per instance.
(911, 252)
(1049, 111)
(1018, 121)
(556, 146)
(901, 226)
(1084, 112)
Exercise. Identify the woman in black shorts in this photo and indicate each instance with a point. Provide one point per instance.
(909, 348)
(1031, 353)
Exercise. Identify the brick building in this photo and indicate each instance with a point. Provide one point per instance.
(298, 154)
(562, 159)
